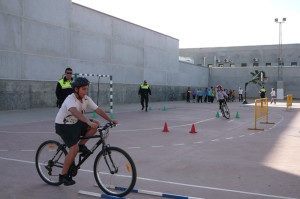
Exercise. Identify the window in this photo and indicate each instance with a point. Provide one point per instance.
(244, 64)
(255, 64)
(232, 65)
(293, 63)
(268, 64)
(209, 65)
(221, 65)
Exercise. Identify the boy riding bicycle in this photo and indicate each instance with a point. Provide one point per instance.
(220, 96)
(70, 124)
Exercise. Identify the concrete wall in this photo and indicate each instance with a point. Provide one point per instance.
(40, 38)
(243, 54)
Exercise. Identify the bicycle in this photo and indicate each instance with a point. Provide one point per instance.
(225, 110)
(113, 167)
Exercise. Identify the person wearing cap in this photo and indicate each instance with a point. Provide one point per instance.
(144, 93)
(63, 87)
(70, 124)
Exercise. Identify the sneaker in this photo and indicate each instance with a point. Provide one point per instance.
(146, 109)
(142, 108)
(66, 180)
(83, 149)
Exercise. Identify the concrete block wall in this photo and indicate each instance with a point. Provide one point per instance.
(41, 38)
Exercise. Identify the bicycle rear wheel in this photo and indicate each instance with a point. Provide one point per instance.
(115, 172)
(226, 112)
(49, 160)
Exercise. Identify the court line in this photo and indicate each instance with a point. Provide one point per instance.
(177, 183)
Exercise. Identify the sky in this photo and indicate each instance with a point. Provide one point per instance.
(210, 23)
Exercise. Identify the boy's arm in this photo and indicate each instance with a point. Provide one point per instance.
(100, 112)
(81, 117)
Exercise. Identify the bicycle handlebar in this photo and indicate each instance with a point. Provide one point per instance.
(107, 125)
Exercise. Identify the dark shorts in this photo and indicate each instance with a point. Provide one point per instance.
(70, 133)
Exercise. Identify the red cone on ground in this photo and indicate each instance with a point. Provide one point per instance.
(193, 130)
(165, 128)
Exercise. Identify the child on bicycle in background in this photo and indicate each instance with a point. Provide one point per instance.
(220, 96)
(70, 124)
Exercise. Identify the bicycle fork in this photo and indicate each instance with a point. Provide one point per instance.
(114, 169)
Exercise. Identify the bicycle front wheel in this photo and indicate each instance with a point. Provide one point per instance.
(49, 160)
(115, 172)
(226, 111)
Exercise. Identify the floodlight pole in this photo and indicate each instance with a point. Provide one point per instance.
(280, 47)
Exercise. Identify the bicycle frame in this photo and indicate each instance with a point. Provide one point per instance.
(98, 143)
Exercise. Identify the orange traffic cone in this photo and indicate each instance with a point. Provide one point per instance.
(193, 130)
(165, 128)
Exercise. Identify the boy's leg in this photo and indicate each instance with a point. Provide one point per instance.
(69, 158)
(89, 132)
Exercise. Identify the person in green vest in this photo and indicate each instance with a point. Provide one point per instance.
(262, 92)
(144, 93)
(64, 88)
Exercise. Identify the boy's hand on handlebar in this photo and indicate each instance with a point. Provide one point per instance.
(115, 121)
(92, 125)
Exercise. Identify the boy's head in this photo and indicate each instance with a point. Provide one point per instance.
(80, 86)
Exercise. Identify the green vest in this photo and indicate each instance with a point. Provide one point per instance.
(66, 84)
(263, 90)
(144, 86)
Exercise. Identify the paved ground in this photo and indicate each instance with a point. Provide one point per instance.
(223, 160)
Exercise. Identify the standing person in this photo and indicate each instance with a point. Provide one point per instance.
(188, 94)
(212, 97)
(194, 95)
(206, 95)
(233, 95)
(262, 92)
(63, 87)
(70, 124)
(199, 95)
(273, 96)
(209, 95)
(144, 93)
(240, 94)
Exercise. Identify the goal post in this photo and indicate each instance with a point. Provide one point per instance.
(110, 88)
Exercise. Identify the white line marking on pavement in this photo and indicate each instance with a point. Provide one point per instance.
(215, 140)
(157, 146)
(230, 138)
(242, 136)
(198, 142)
(134, 147)
(176, 183)
(251, 133)
(27, 150)
(178, 144)
(3, 150)
(168, 126)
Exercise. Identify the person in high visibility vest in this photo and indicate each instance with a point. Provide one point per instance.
(64, 88)
(262, 92)
(144, 93)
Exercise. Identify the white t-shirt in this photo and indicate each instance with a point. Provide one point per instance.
(64, 116)
(240, 91)
(273, 93)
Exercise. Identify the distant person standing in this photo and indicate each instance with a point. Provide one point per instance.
(144, 93)
(64, 88)
(273, 96)
(206, 95)
(188, 94)
(262, 92)
(194, 95)
(240, 94)
(199, 98)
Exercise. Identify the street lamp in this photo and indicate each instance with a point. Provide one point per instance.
(280, 45)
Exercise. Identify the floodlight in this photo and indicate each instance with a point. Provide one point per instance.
(276, 20)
